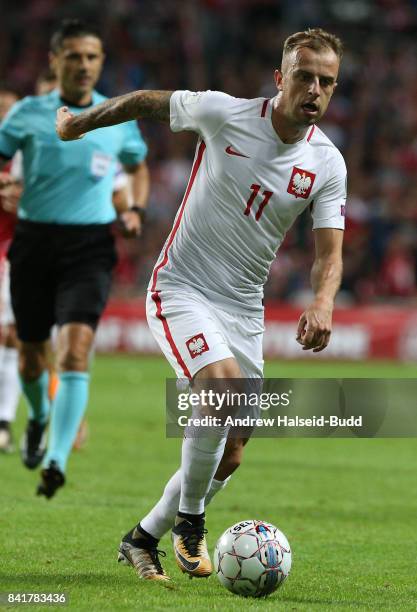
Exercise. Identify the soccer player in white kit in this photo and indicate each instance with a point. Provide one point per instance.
(259, 163)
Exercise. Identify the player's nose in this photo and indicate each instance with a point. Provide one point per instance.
(314, 87)
(84, 63)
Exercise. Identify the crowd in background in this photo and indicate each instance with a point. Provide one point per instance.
(233, 46)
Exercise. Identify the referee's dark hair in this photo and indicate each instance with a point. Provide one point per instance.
(71, 28)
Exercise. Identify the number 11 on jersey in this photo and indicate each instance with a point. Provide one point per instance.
(266, 197)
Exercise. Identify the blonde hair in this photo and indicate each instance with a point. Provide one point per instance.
(313, 38)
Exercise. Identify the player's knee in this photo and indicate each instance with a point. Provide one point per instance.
(10, 340)
(73, 347)
(32, 362)
(73, 359)
(223, 369)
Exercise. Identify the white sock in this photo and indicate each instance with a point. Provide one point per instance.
(215, 487)
(162, 516)
(9, 384)
(200, 459)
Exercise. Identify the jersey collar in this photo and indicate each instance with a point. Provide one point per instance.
(268, 116)
(95, 98)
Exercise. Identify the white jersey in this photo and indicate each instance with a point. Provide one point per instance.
(245, 191)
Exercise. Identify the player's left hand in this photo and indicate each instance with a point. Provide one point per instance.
(63, 124)
(131, 224)
(315, 327)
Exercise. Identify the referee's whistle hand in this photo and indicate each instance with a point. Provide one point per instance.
(63, 125)
(130, 224)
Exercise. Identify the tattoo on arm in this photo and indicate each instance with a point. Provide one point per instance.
(136, 105)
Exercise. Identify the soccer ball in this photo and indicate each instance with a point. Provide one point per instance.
(252, 558)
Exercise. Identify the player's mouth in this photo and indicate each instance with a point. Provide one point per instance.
(84, 80)
(310, 108)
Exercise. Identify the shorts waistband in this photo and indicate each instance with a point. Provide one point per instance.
(76, 227)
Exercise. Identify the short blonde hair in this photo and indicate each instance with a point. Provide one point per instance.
(313, 38)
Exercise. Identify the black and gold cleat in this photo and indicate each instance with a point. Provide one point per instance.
(190, 546)
(51, 480)
(141, 552)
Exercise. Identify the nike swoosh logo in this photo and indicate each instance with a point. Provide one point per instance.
(231, 151)
(191, 566)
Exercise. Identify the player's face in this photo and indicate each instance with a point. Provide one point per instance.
(78, 64)
(306, 84)
(7, 99)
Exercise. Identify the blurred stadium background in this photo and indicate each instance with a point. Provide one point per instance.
(234, 45)
(343, 503)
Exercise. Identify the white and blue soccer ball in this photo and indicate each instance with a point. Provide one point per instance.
(252, 558)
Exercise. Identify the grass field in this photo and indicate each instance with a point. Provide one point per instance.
(347, 506)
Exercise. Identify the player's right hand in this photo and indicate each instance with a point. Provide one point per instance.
(63, 124)
(315, 327)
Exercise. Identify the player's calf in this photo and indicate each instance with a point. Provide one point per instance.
(232, 457)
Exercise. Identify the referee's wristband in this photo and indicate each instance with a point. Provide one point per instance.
(141, 212)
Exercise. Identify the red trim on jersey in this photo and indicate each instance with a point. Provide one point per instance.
(311, 133)
(155, 295)
(264, 107)
(194, 170)
(157, 299)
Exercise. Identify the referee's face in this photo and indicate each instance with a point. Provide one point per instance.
(78, 65)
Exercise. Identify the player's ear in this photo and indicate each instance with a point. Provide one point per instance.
(52, 61)
(278, 79)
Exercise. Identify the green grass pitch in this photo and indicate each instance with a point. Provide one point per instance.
(347, 506)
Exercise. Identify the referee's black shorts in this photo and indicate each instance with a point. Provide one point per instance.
(59, 274)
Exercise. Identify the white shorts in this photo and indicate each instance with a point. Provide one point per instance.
(6, 312)
(192, 333)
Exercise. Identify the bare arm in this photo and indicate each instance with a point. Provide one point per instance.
(315, 323)
(138, 190)
(120, 200)
(136, 105)
(139, 183)
(326, 273)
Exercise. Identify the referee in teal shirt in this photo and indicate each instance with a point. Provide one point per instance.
(63, 253)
